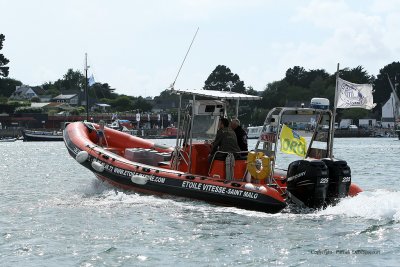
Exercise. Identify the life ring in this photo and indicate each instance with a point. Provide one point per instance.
(264, 171)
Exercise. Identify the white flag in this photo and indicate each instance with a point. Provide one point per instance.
(91, 80)
(137, 116)
(352, 95)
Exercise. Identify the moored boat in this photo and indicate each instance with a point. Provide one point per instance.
(9, 139)
(169, 133)
(253, 132)
(42, 135)
(248, 180)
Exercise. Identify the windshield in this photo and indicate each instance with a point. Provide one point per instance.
(205, 127)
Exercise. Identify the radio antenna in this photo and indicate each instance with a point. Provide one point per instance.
(183, 62)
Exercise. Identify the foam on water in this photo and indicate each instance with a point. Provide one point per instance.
(99, 193)
(378, 205)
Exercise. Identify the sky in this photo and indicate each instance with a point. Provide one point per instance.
(137, 47)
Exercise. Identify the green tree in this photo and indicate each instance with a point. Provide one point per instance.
(10, 106)
(315, 75)
(78, 111)
(274, 95)
(51, 89)
(122, 103)
(382, 87)
(142, 104)
(222, 79)
(102, 90)
(3, 60)
(356, 75)
(250, 91)
(8, 86)
(35, 99)
(72, 80)
(28, 110)
(295, 75)
(166, 95)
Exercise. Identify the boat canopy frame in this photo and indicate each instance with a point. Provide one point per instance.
(187, 134)
(268, 144)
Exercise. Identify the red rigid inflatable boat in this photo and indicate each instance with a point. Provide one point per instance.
(249, 180)
(110, 164)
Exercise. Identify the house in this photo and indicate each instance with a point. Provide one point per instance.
(71, 99)
(81, 98)
(26, 92)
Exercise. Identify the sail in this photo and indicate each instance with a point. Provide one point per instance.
(396, 106)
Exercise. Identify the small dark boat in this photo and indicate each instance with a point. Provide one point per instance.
(42, 135)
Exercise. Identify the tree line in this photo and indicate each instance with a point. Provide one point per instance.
(298, 85)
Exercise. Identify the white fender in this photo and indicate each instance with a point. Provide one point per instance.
(98, 166)
(261, 188)
(137, 179)
(249, 186)
(82, 156)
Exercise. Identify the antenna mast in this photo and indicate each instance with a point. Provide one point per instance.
(173, 84)
(86, 88)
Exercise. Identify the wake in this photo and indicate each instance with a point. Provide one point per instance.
(378, 205)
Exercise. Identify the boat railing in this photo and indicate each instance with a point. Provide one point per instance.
(229, 158)
(177, 155)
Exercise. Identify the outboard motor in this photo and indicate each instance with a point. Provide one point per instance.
(307, 182)
(339, 179)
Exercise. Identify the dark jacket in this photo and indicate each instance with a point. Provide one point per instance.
(241, 136)
(225, 141)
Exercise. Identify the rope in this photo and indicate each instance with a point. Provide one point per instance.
(229, 166)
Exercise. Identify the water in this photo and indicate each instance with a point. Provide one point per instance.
(53, 212)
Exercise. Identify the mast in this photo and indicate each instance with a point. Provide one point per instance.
(183, 62)
(396, 105)
(332, 126)
(86, 88)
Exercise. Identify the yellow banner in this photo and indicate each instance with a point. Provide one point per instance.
(292, 142)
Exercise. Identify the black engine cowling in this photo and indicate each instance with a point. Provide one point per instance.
(339, 179)
(307, 181)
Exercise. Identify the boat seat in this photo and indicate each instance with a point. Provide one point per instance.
(199, 159)
(218, 169)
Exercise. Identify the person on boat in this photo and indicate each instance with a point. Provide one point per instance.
(241, 134)
(225, 141)
(100, 132)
